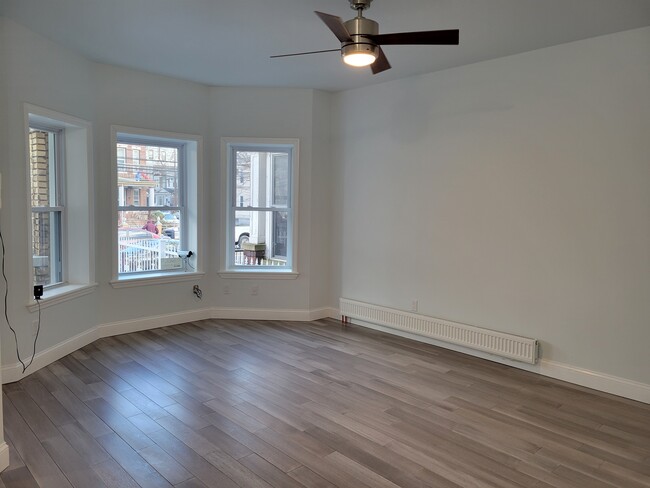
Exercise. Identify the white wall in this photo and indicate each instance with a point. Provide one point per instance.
(39, 72)
(511, 194)
(141, 100)
(4, 449)
(277, 113)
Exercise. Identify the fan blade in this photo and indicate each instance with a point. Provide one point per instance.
(381, 63)
(438, 37)
(308, 52)
(336, 26)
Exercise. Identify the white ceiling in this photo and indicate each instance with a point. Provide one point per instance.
(220, 42)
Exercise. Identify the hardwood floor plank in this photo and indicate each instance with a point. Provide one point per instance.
(270, 404)
(43, 469)
(192, 461)
(165, 464)
(224, 442)
(141, 471)
(50, 405)
(85, 444)
(309, 479)
(254, 443)
(119, 424)
(73, 466)
(38, 422)
(269, 473)
(113, 475)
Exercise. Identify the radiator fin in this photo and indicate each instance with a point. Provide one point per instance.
(498, 343)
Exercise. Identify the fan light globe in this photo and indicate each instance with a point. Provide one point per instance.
(359, 53)
(359, 58)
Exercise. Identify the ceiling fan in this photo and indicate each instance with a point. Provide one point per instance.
(361, 42)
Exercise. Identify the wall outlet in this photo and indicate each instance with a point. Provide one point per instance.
(414, 305)
(255, 290)
(226, 289)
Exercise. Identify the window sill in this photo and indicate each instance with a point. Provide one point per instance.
(61, 294)
(259, 274)
(154, 279)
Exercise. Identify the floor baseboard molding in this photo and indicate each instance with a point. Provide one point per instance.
(153, 322)
(296, 315)
(591, 379)
(13, 372)
(634, 390)
(596, 380)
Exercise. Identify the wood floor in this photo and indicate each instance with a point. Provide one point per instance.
(225, 403)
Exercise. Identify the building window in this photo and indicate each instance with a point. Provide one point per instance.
(262, 189)
(46, 155)
(60, 175)
(154, 196)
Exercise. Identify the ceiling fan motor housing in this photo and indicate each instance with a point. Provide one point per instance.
(359, 28)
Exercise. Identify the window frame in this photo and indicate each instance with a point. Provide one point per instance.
(229, 173)
(75, 162)
(190, 149)
(58, 187)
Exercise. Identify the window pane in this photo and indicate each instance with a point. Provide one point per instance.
(42, 164)
(266, 242)
(242, 227)
(152, 182)
(148, 241)
(46, 249)
(280, 169)
(243, 190)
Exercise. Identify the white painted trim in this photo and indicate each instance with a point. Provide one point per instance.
(62, 294)
(4, 456)
(324, 313)
(13, 372)
(260, 314)
(156, 279)
(146, 323)
(615, 385)
(591, 379)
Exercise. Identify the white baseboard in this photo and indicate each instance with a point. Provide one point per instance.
(4, 456)
(591, 379)
(615, 385)
(146, 323)
(13, 372)
(274, 314)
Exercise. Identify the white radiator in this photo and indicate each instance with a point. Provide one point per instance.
(504, 345)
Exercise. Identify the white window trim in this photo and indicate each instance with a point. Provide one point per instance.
(193, 202)
(78, 253)
(225, 269)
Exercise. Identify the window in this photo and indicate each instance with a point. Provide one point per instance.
(261, 199)
(59, 168)
(156, 203)
(46, 169)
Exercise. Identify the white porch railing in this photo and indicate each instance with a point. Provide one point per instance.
(242, 260)
(144, 254)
